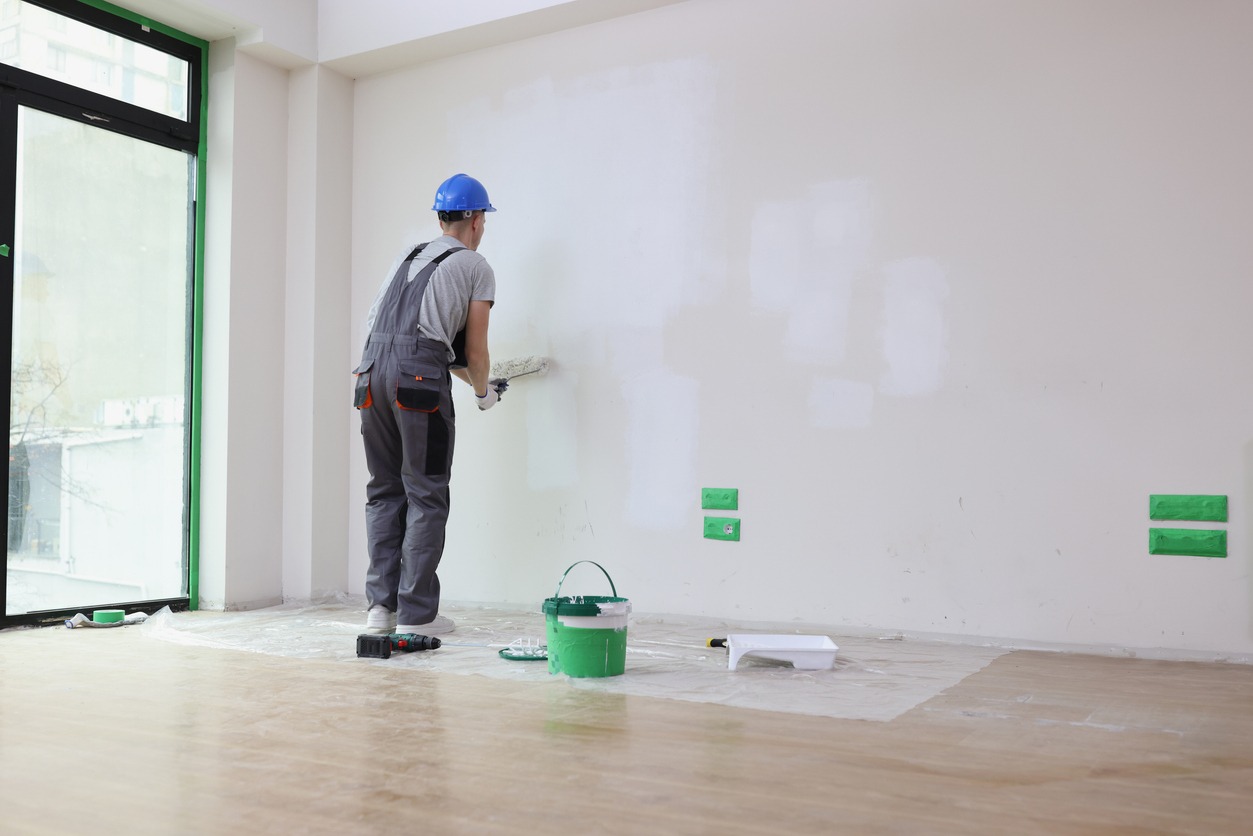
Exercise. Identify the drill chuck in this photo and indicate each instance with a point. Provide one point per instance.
(410, 642)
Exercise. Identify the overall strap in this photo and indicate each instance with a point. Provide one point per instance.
(423, 278)
(400, 307)
(425, 275)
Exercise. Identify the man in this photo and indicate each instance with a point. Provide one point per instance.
(429, 319)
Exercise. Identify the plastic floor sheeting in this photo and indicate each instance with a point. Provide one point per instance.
(873, 678)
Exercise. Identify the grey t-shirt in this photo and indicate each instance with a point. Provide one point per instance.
(460, 279)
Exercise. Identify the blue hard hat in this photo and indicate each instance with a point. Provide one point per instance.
(461, 192)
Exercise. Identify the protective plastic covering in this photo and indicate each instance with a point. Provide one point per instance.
(873, 678)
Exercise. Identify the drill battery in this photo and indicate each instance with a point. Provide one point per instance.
(382, 647)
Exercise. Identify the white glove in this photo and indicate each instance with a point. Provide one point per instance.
(489, 400)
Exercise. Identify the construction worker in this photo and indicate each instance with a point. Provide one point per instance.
(429, 320)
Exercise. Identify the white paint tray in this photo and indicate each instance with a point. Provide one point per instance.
(807, 653)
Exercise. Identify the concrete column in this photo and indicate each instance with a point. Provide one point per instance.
(317, 388)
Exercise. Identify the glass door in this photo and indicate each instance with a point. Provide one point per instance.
(102, 253)
(100, 143)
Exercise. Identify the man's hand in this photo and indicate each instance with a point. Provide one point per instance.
(488, 400)
(495, 389)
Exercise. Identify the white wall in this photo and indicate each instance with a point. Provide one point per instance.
(946, 290)
(315, 422)
(242, 439)
(274, 460)
(276, 435)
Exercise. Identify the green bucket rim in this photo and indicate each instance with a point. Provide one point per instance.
(580, 605)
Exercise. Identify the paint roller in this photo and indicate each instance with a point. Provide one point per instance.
(506, 370)
(519, 366)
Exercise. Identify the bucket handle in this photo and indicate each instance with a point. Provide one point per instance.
(594, 563)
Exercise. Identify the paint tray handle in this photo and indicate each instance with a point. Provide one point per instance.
(594, 563)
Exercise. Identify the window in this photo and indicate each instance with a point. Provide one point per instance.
(105, 56)
(99, 212)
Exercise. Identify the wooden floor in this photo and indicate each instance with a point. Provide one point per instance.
(110, 731)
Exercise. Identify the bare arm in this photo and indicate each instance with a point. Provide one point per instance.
(478, 360)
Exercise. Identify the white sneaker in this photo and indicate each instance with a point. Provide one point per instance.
(380, 619)
(437, 626)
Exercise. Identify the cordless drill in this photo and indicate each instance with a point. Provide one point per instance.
(382, 647)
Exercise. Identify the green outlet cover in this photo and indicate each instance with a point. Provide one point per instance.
(721, 499)
(1164, 506)
(722, 528)
(1188, 541)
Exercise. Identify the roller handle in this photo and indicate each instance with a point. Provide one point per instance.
(715, 642)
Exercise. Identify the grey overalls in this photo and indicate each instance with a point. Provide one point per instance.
(404, 394)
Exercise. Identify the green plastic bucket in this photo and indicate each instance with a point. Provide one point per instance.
(587, 633)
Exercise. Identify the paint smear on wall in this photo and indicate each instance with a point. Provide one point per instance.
(633, 349)
(552, 423)
(776, 255)
(663, 422)
(840, 404)
(915, 334)
(805, 254)
(610, 158)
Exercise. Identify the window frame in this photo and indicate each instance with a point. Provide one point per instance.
(25, 88)
(104, 111)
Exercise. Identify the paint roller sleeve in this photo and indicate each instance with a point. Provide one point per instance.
(519, 366)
